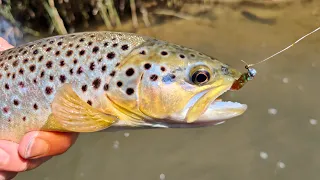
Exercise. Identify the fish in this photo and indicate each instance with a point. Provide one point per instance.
(92, 81)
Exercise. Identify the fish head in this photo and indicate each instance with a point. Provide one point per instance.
(173, 85)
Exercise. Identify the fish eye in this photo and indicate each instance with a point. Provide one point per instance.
(200, 75)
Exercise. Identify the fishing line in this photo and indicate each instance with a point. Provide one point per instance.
(250, 65)
(251, 73)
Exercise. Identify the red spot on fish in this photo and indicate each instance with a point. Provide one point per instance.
(5, 109)
(21, 84)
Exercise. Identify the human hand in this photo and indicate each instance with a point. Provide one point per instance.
(34, 149)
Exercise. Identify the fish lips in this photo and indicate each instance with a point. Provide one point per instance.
(216, 112)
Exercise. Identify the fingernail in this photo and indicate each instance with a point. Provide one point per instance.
(37, 147)
(4, 158)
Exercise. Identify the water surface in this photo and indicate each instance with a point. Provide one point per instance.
(288, 83)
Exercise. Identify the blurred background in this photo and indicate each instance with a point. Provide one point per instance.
(277, 138)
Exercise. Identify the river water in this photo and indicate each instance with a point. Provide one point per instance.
(277, 138)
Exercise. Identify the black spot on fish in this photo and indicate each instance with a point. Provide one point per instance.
(62, 63)
(15, 63)
(16, 102)
(84, 88)
(111, 55)
(69, 53)
(153, 77)
(21, 71)
(130, 72)
(80, 70)
(89, 102)
(71, 71)
(125, 47)
(35, 106)
(95, 49)
(42, 74)
(104, 68)
(130, 91)
(62, 78)
(92, 65)
(32, 68)
(25, 60)
(119, 83)
(143, 52)
(147, 66)
(40, 58)
(96, 83)
(49, 64)
(82, 52)
(113, 73)
(49, 90)
(106, 87)
(164, 53)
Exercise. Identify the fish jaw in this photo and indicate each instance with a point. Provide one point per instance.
(222, 110)
(215, 112)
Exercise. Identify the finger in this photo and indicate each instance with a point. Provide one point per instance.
(10, 159)
(4, 44)
(38, 144)
(7, 175)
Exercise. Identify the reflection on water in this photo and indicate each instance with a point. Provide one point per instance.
(277, 138)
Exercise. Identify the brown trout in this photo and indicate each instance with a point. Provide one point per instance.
(90, 81)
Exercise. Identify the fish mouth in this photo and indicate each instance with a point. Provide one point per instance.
(216, 112)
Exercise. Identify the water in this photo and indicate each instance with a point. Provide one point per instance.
(288, 139)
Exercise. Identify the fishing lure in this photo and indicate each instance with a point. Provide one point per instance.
(251, 72)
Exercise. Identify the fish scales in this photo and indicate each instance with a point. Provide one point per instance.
(31, 73)
(86, 82)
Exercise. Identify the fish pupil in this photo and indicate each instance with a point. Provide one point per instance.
(200, 77)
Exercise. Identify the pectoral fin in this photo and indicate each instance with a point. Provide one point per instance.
(73, 114)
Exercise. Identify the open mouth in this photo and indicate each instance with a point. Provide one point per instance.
(216, 112)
